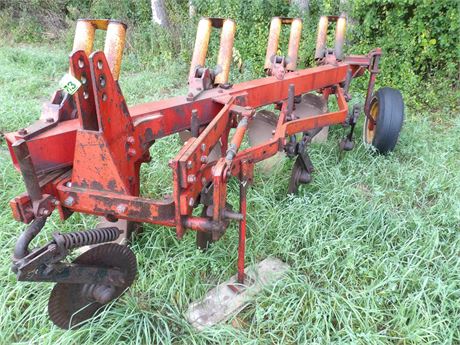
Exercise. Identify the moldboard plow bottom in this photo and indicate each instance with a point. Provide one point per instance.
(85, 152)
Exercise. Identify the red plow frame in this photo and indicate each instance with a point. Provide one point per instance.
(84, 154)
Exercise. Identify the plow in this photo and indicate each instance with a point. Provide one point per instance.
(85, 152)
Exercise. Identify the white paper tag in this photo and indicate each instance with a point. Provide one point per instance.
(69, 84)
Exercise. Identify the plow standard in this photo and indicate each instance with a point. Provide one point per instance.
(85, 152)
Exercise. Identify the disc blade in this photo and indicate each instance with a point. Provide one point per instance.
(311, 105)
(260, 130)
(70, 305)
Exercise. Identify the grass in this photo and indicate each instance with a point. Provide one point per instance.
(373, 243)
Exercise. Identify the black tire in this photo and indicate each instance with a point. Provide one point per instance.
(388, 106)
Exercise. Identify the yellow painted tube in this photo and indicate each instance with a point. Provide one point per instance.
(294, 42)
(340, 37)
(273, 40)
(114, 45)
(224, 58)
(201, 45)
(321, 38)
(84, 36)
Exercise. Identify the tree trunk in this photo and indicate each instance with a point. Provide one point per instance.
(159, 15)
(191, 9)
(303, 5)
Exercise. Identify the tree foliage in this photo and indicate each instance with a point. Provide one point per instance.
(419, 38)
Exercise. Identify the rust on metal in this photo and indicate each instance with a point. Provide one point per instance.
(294, 42)
(200, 49)
(224, 59)
(273, 39)
(114, 45)
(321, 37)
(85, 152)
(340, 37)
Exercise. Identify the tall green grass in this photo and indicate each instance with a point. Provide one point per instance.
(373, 242)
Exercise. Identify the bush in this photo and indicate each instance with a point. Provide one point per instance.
(419, 39)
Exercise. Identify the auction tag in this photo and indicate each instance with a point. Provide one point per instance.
(69, 84)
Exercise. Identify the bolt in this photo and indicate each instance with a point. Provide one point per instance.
(203, 147)
(131, 152)
(22, 131)
(189, 165)
(191, 202)
(191, 178)
(203, 180)
(130, 140)
(56, 202)
(68, 184)
(122, 208)
(69, 201)
(204, 159)
(44, 212)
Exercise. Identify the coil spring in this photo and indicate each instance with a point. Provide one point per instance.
(87, 237)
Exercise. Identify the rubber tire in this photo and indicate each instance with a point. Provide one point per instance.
(389, 121)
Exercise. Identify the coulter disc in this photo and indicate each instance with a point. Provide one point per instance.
(70, 305)
(260, 131)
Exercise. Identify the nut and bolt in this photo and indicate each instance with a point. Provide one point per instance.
(189, 165)
(68, 184)
(22, 131)
(122, 208)
(45, 212)
(204, 159)
(131, 152)
(69, 201)
(56, 202)
(203, 180)
(191, 202)
(203, 147)
(130, 140)
(191, 178)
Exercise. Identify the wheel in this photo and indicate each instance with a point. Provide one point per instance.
(387, 111)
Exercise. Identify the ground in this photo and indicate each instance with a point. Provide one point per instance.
(373, 242)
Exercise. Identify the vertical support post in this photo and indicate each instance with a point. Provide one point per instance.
(224, 58)
(200, 50)
(242, 227)
(84, 36)
(114, 45)
(340, 37)
(194, 124)
(21, 151)
(321, 38)
(373, 70)
(294, 41)
(273, 39)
